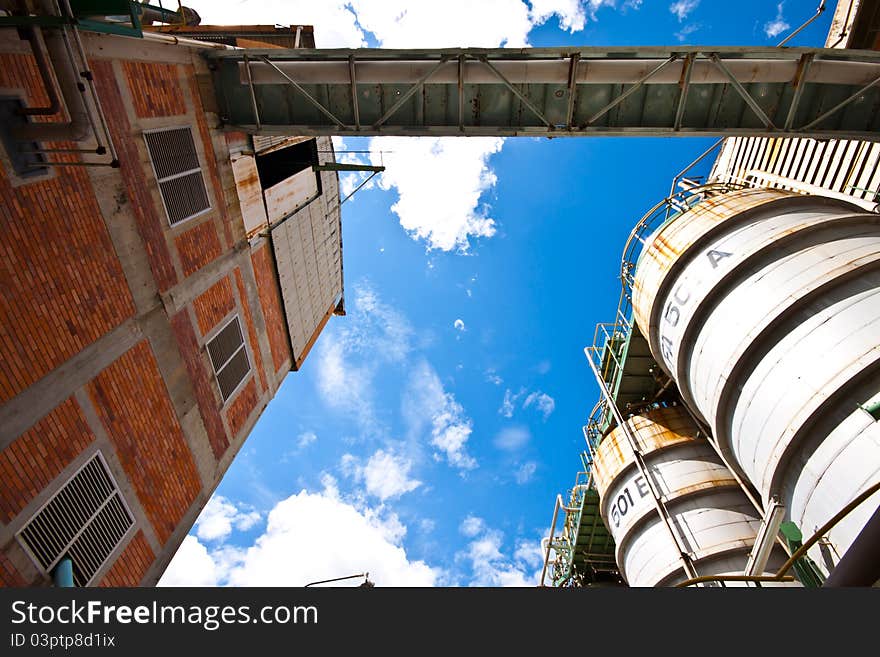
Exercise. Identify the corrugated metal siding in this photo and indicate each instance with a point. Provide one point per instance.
(308, 251)
(842, 166)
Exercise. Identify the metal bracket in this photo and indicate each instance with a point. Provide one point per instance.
(305, 93)
(741, 90)
(516, 92)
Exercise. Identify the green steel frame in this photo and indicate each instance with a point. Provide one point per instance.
(551, 91)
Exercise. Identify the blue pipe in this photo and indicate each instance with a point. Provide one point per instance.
(62, 575)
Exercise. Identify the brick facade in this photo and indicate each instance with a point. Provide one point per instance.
(211, 160)
(155, 89)
(51, 308)
(197, 247)
(151, 225)
(132, 402)
(270, 302)
(35, 458)
(251, 329)
(241, 408)
(131, 566)
(213, 305)
(203, 386)
(88, 260)
(9, 575)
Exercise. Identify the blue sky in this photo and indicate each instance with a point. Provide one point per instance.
(429, 431)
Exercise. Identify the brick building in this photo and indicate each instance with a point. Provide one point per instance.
(150, 309)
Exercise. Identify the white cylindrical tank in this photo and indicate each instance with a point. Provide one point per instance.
(711, 516)
(764, 307)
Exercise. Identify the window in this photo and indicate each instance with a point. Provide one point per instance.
(229, 357)
(85, 520)
(176, 165)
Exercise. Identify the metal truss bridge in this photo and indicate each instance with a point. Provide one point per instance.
(550, 92)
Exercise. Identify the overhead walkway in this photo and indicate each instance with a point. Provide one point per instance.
(651, 91)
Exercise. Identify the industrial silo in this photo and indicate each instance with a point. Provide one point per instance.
(763, 306)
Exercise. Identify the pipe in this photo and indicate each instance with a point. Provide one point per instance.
(33, 37)
(793, 34)
(846, 510)
(72, 90)
(550, 539)
(62, 574)
(684, 557)
(171, 40)
(860, 565)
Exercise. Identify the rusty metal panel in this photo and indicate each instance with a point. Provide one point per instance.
(290, 195)
(250, 194)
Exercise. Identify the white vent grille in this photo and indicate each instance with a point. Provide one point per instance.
(176, 165)
(85, 520)
(229, 357)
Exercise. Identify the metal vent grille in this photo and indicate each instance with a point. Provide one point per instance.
(85, 521)
(176, 165)
(229, 357)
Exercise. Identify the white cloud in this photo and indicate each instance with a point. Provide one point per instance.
(542, 402)
(512, 438)
(682, 8)
(686, 31)
(426, 525)
(572, 14)
(335, 22)
(305, 439)
(458, 325)
(349, 355)
(219, 516)
(471, 526)
(293, 550)
(508, 404)
(493, 378)
(490, 567)
(407, 24)
(778, 25)
(439, 182)
(385, 475)
(525, 472)
(428, 405)
(191, 566)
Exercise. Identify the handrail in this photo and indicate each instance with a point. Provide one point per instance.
(780, 575)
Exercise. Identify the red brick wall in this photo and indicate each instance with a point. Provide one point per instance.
(63, 286)
(209, 407)
(252, 333)
(9, 575)
(134, 407)
(214, 304)
(241, 407)
(151, 225)
(131, 566)
(211, 164)
(270, 302)
(155, 90)
(35, 458)
(198, 247)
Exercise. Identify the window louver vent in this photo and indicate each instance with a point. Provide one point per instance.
(229, 357)
(176, 164)
(85, 521)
